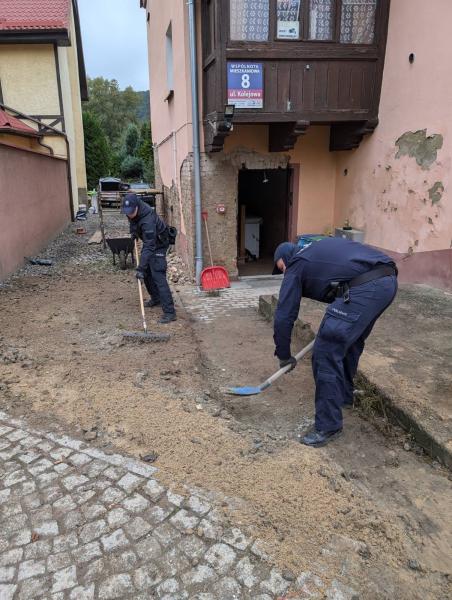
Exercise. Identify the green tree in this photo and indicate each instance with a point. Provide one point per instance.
(114, 108)
(145, 151)
(97, 150)
(131, 140)
(132, 167)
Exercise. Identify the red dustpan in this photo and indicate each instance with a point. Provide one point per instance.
(213, 278)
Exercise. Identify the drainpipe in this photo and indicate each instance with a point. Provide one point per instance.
(195, 124)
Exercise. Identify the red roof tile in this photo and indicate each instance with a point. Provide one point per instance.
(10, 123)
(25, 15)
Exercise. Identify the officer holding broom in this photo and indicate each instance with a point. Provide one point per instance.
(146, 225)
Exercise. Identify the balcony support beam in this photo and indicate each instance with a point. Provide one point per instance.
(347, 136)
(283, 136)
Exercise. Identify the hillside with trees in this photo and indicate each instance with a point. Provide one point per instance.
(118, 138)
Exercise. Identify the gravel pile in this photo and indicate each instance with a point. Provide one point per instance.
(177, 270)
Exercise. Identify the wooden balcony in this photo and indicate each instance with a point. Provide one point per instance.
(304, 81)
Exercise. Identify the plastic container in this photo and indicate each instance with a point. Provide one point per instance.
(307, 238)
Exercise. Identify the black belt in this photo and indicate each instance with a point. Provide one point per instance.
(341, 288)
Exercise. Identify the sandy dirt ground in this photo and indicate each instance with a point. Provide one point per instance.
(369, 510)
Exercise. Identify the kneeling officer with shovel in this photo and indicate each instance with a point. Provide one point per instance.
(359, 283)
(149, 227)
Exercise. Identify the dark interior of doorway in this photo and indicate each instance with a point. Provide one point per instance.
(263, 202)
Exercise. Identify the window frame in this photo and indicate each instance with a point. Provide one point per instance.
(304, 28)
(209, 30)
(169, 58)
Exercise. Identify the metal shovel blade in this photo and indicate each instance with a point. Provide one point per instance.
(253, 391)
(244, 391)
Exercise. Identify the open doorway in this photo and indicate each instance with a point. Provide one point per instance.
(263, 219)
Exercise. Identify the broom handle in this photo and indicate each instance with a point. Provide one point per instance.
(208, 241)
(140, 292)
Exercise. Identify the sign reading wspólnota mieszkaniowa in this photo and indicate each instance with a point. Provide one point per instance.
(245, 84)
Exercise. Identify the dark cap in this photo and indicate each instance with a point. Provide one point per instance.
(285, 251)
(129, 204)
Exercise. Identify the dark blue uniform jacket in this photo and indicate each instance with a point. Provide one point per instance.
(310, 272)
(149, 227)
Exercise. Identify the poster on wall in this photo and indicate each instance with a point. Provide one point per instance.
(246, 84)
(288, 14)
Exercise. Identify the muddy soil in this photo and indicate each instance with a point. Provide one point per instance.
(364, 510)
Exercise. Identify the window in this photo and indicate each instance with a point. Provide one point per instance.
(339, 21)
(249, 20)
(288, 19)
(321, 20)
(169, 59)
(358, 21)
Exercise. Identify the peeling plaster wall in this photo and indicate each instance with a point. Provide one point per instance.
(398, 183)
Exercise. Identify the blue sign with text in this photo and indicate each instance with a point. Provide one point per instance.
(246, 84)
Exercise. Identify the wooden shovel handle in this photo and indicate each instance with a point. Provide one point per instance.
(140, 291)
(204, 217)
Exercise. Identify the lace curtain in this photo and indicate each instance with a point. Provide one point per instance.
(249, 20)
(358, 21)
(321, 19)
(288, 10)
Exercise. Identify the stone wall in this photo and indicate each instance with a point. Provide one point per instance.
(219, 185)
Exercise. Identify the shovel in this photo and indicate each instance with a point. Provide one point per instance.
(253, 391)
(144, 336)
(213, 278)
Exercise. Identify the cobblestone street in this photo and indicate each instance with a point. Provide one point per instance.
(78, 524)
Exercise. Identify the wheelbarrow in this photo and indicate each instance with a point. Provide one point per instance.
(121, 247)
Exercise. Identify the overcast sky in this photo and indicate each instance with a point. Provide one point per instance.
(114, 41)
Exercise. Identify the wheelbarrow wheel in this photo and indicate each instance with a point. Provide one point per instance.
(123, 260)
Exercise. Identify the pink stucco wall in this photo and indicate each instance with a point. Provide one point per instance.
(34, 204)
(389, 196)
(171, 117)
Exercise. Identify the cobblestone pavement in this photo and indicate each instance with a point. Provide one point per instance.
(78, 524)
(242, 294)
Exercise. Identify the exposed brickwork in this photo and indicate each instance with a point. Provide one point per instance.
(219, 181)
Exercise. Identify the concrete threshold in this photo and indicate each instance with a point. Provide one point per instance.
(258, 277)
(406, 363)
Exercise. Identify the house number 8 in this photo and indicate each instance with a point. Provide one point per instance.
(245, 81)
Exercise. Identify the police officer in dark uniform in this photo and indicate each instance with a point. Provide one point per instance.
(149, 227)
(359, 283)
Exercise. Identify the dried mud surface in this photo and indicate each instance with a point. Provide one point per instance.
(367, 504)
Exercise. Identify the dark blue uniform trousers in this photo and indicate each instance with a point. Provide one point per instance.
(339, 345)
(157, 284)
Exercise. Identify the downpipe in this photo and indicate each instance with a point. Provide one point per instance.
(196, 148)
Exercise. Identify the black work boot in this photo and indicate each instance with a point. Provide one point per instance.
(167, 318)
(151, 303)
(316, 438)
